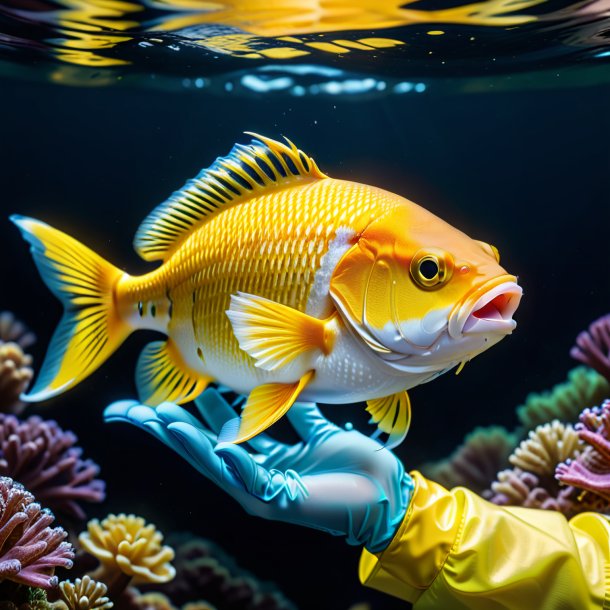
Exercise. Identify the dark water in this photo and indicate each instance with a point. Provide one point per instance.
(526, 168)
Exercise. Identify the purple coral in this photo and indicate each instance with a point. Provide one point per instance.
(30, 550)
(593, 346)
(42, 456)
(591, 470)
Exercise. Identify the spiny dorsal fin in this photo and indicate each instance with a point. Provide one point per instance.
(243, 173)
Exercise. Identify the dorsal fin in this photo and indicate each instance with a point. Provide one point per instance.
(244, 172)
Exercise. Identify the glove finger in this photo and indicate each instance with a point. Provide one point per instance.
(145, 418)
(259, 482)
(308, 421)
(216, 411)
(120, 411)
(198, 450)
(170, 412)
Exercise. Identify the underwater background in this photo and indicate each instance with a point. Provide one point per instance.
(514, 152)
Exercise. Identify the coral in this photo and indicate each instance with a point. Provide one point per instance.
(15, 376)
(545, 447)
(593, 346)
(584, 388)
(14, 331)
(25, 598)
(475, 463)
(517, 488)
(41, 456)
(30, 550)
(154, 601)
(15, 365)
(84, 594)
(198, 606)
(127, 549)
(205, 572)
(591, 470)
(532, 483)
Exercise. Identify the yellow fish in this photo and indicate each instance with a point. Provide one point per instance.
(283, 283)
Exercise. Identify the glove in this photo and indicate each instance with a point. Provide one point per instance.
(334, 480)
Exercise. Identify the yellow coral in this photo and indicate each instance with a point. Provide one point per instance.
(127, 544)
(15, 374)
(545, 447)
(84, 594)
(154, 601)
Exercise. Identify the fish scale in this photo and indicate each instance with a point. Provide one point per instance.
(247, 249)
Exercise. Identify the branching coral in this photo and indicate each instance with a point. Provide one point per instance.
(41, 456)
(127, 549)
(545, 447)
(30, 550)
(584, 388)
(84, 594)
(593, 346)
(591, 470)
(532, 482)
(517, 488)
(475, 463)
(205, 572)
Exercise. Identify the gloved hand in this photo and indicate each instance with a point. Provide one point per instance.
(334, 480)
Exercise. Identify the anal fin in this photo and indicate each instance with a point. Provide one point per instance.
(162, 376)
(265, 405)
(392, 414)
(275, 334)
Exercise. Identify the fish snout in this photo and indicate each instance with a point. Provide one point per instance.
(489, 310)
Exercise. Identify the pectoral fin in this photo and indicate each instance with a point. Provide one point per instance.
(275, 334)
(265, 405)
(162, 376)
(392, 414)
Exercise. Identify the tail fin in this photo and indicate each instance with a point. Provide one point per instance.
(91, 329)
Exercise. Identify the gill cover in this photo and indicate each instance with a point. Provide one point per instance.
(375, 287)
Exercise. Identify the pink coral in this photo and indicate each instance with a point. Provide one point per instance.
(593, 346)
(591, 470)
(42, 456)
(30, 549)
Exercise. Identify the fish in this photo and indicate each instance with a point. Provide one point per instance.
(282, 284)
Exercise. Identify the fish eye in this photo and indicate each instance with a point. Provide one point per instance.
(431, 268)
(428, 268)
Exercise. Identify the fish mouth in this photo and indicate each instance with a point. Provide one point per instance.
(489, 309)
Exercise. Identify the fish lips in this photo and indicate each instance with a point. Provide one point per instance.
(489, 310)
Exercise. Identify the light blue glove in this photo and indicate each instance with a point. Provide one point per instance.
(335, 480)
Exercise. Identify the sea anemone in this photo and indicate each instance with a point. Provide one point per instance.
(545, 447)
(593, 346)
(15, 376)
(30, 550)
(584, 388)
(84, 594)
(475, 463)
(128, 550)
(591, 470)
(206, 572)
(42, 456)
